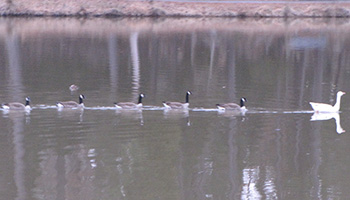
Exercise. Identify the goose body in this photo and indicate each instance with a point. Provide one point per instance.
(322, 107)
(71, 104)
(178, 105)
(130, 105)
(233, 106)
(17, 105)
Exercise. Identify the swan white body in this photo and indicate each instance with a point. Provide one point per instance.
(71, 104)
(322, 107)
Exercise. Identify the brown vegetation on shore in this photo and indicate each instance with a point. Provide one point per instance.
(185, 9)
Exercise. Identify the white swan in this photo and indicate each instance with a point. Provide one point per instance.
(322, 107)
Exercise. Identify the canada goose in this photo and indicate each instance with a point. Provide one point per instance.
(73, 88)
(71, 104)
(233, 106)
(130, 105)
(322, 107)
(16, 105)
(178, 105)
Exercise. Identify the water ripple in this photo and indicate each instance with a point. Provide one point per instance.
(195, 109)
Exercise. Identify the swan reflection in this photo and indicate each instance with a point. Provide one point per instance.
(327, 116)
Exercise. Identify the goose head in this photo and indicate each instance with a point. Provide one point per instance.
(188, 93)
(140, 98)
(243, 100)
(27, 101)
(81, 97)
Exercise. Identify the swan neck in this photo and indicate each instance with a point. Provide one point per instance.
(337, 103)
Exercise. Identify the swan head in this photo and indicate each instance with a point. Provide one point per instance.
(340, 93)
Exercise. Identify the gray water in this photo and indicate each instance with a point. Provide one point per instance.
(274, 151)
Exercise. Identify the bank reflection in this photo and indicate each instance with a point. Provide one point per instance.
(18, 119)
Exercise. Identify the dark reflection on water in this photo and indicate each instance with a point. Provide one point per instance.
(277, 150)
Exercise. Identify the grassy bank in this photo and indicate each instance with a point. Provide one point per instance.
(92, 8)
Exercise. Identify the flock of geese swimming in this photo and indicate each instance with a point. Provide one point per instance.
(128, 105)
(317, 107)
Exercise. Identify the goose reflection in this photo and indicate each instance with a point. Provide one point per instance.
(327, 116)
(70, 114)
(231, 113)
(12, 114)
(134, 114)
(15, 114)
(176, 114)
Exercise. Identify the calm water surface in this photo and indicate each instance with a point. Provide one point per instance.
(274, 151)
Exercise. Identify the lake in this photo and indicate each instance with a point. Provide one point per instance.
(278, 149)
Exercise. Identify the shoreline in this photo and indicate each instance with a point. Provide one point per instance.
(123, 8)
(26, 28)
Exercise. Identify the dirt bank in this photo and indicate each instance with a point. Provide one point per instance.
(159, 8)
